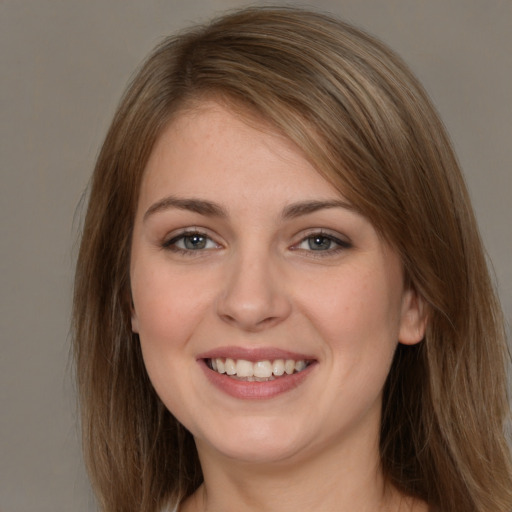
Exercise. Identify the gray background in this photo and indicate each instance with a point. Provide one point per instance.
(63, 67)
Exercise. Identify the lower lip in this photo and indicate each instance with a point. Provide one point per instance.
(255, 390)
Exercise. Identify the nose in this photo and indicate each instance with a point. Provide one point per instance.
(254, 295)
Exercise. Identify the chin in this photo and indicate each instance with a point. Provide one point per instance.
(263, 453)
(257, 444)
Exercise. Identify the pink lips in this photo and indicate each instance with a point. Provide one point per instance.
(254, 354)
(254, 390)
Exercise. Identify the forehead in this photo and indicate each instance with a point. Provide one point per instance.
(213, 145)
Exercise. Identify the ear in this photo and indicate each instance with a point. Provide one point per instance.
(135, 320)
(413, 321)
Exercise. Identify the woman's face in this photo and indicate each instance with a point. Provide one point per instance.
(268, 309)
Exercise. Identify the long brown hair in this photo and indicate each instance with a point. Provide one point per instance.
(367, 125)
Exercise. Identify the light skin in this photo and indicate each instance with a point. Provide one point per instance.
(241, 246)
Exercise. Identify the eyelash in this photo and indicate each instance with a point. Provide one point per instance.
(340, 245)
(171, 244)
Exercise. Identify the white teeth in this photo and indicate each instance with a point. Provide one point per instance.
(244, 368)
(300, 365)
(258, 371)
(278, 368)
(230, 366)
(263, 369)
(289, 366)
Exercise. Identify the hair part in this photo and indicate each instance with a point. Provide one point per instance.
(362, 119)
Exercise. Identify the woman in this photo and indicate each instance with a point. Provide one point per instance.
(281, 300)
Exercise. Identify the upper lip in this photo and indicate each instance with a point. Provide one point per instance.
(254, 354)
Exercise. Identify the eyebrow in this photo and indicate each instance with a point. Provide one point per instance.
(201, 206)
(211, 209)
(305, 207)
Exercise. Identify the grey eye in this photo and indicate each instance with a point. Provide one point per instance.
(194, 242)
(190, 241)
(318, 243)
(323, 243)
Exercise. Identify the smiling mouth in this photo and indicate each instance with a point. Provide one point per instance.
(258, 371)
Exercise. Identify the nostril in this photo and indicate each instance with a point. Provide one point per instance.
(253, 296)
(251, 323)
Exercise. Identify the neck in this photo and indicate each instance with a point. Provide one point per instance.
(319, 482)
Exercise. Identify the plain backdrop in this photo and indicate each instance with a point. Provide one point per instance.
(64, 64)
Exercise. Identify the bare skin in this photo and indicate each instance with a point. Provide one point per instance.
(225, 266)
(268, 493)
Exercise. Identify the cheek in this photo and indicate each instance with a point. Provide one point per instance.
(167, 308)
(171, 306)
(357, 308)
(357, 316)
